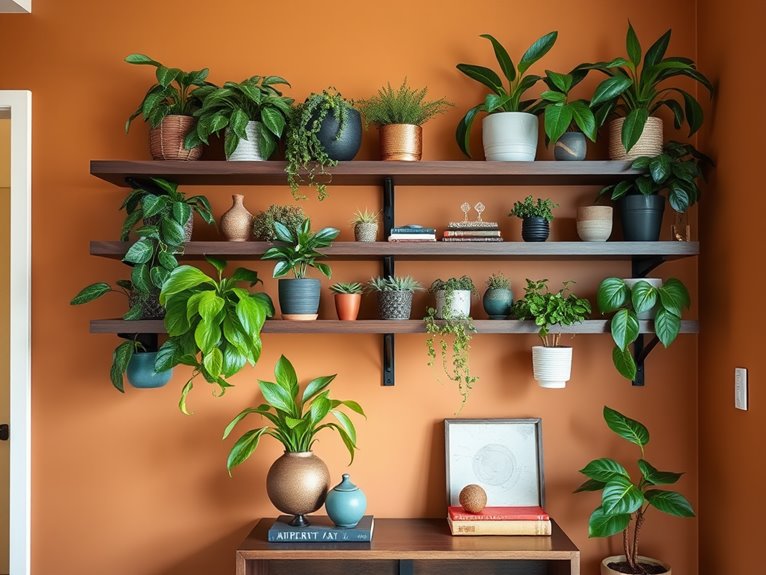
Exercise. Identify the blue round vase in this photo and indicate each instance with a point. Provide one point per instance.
(346, 503)
(498, 302)
(141, 371)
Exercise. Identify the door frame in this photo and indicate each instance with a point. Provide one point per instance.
(17, 105)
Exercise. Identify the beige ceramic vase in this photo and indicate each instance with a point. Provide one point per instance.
(237, 223)
(297, 484)
(594, 223)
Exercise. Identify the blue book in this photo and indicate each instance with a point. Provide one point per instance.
(321, 530)
(412, 229)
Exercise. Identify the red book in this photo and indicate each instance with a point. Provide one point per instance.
(457, 513)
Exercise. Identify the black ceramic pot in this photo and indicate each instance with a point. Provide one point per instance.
(347, 145)
(299, 296)
(534, 229)
(641, 217)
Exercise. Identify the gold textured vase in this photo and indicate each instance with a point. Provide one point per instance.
(237, 223)
(297, 484)
(401, 142)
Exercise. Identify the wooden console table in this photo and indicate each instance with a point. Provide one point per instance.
(410, 547)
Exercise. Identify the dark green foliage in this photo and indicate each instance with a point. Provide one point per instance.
(292, 217)
(549, 309)
(299, 251)
(533, 209)
(562, 113)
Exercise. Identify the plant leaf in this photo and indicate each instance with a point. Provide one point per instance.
(612, 295)
(284, 372)
(624, 362)
(669, 502)
(244, 447)
(666, 326)
(90, 293)
(624, 328)
(633, 46)
(627, 428)
(140, 252)
(643, 297)
(633, 127)
(590, 485)
(278, 397)
(602, 524)
(621, 496)
(537, 50)
(506, 64)
(483, 75)
(656, 477)
(603, 470)
(120, 359)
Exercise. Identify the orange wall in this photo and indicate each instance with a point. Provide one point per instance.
(126, 484)
(731, 472)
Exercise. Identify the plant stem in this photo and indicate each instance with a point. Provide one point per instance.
(639, 522)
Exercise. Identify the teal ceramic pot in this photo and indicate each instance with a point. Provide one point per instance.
(141, 372)
(346, 503)
(299, 296)
(497, 303)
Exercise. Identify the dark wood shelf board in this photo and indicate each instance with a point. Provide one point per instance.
(433, 173)
(426, 250)
(375, 326)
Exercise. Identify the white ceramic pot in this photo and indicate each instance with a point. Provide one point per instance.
(654, 282)
(510, 136)
(552, 366)
(594, 223)
(461, 303)
(641, 559)
(250, 149)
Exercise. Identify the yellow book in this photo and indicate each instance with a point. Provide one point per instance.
(540, 527)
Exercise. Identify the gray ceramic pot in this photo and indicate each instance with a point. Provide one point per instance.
(394, 304)
(571, 146)
(299, 296)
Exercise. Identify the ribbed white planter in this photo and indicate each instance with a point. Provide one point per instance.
(461, 303)
(250, 149)
(552, 366)
(510, 136)
(641, 559)
(654, 282)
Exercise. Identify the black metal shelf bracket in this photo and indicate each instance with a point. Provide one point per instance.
(389, 378)
(641, 351)
(642, 265)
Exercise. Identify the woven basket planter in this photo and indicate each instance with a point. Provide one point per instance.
(649, 144)
(394, 304)
(166, 141)
(365, 231)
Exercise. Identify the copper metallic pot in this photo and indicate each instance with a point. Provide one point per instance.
(401, 142)
(297, 484)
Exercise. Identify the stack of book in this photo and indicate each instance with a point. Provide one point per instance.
(499, 521)
(472, 231)
(320, 530)
(412, 233)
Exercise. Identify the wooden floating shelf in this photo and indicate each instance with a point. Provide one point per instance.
(373, 250)
(376, 326)
(355, 173)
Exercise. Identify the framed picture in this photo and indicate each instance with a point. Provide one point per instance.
(504, 456)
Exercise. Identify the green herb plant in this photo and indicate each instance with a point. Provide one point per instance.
(533, 209)
(295, 418)
(624, 501)
(300, 250)
(549, 309)
(502, 98)
(213, 325)
(405, 105)
(347, 288)
(174, 93)
(498, 281)
(232, 106)
(615, 296)
(292, 217)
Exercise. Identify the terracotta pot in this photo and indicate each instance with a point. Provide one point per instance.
(641, 559)
(166, 141)
(649, 144)
(237, 222)
(347, 305)
(297, 484)
(401, 142)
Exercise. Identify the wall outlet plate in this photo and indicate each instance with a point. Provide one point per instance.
(740, 388)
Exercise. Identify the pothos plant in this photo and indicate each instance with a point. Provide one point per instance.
(449, 326)
(213, 325)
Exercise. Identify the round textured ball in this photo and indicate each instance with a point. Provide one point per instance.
(473, 498)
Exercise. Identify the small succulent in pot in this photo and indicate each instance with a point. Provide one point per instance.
(348, 297)
(536, 217)
(365, 225)
(498, 298)
(394, 295)
(292, 217)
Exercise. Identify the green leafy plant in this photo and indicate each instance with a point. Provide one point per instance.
(636, 88)
(498, 281)
(394, 283)
(615, 296)
(502, 98)
(365, 217)
(533, 209)
(234, 105)
(677, 171)
(174, 93)
(562, 113)
(451, 284)
(347, 288)
(549, 309)
(213, 325)
(292, 217)
(304, 152)
(295, 418)
(624, 502)
(300, 251)
(404, 105)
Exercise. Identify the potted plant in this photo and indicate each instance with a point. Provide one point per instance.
(616, 296)
(253, 114)
(365, 224)
(535, 218)
(625, 502)
(394, 295)
(168, 107)
(552, 363)
(498, 298)
(213, 325)
(676, 170)
(299, 296)
(636, 88)
(400, 115)
(453, 310)
(348, 297)
(295, 419)
(322, 131)
(509, 131)
(291, 217)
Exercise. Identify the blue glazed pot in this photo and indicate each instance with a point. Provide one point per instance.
(141, 372)
(299, 296)
(497, 303)
(346, 503)
(346, 146)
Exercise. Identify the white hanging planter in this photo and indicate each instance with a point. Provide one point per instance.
(461, 303)
(510, 136)
(552, 366)
(250, 149)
